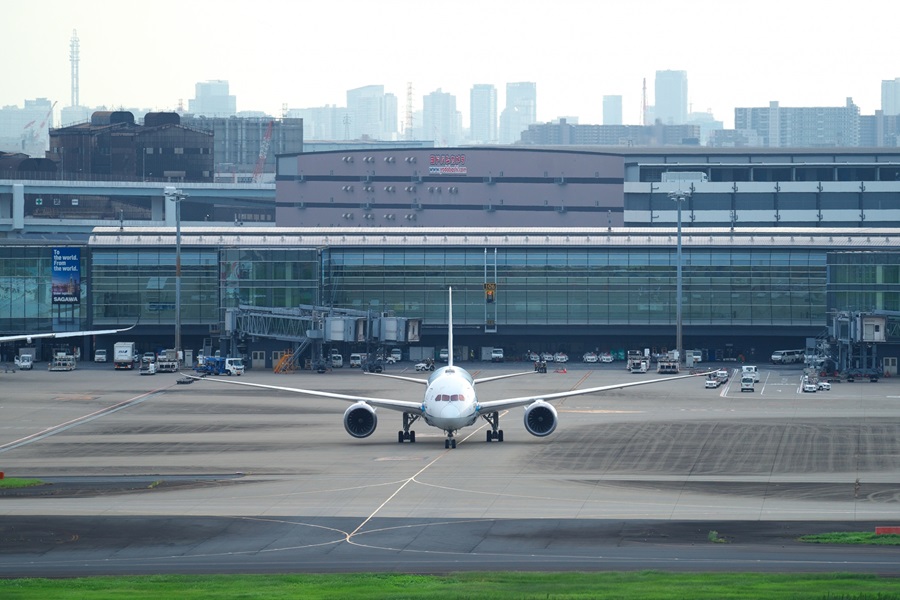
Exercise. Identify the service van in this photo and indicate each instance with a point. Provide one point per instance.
(356, 360)
(747, 383)
(787, 357)
(750, 370)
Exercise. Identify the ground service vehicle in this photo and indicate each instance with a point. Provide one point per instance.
(167, 361)
(148, 368)
(123, 355)
(24, 362)
(788, 357)
(444, 355)
(497, 355)
(356, 359)
(750, 370)
(396, 354)
(712, 383)
(234, 366)
(747, 383)
(100, 355)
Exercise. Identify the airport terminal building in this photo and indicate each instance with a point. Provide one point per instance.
(578, 248)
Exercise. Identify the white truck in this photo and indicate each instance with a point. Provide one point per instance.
(123, 355)
(24, 362)
(167, 361)
(234, 366)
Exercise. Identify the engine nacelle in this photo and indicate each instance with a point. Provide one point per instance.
(540, 418)
(360, 420)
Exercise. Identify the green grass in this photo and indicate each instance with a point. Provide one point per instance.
(14, 482)
(853, 537)
(624, 586)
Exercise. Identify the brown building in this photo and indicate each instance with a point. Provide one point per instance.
(112, 147)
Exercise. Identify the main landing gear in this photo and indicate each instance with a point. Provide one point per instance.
(493, 433)
(450, 442)
(405, 434)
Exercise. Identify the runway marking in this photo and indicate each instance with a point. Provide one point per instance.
(40, 435)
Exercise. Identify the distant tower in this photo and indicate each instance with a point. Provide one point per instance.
(408, 121)
(73, 57)
(612, 110)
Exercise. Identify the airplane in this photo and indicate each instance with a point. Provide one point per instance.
(450, 402)
(60, 334)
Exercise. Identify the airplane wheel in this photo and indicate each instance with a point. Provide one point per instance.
(490, 436)
(500, 435)
(412, 437)
(446, 444)
(400, 437)
(453, 443)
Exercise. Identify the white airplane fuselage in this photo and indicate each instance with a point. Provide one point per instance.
(450, 402)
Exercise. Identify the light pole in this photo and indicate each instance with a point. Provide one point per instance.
(177, 197)
(678, 197)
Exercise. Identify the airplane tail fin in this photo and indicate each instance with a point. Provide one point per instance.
(450, 328)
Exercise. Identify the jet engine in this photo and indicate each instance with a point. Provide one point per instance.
(360, 420)
(540, 418)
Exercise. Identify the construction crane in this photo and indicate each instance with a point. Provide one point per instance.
(263, 153)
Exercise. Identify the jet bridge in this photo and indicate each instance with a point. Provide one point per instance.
(310, 326)
(856, 337)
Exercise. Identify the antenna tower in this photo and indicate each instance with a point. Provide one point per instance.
(408, 123)
(73, 57)
(644, 103)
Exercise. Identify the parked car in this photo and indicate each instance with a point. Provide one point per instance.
(590, 357)
(444, 355)
(533, 356)
(547, 356)
(606, 357)
(100, 355)
(712, 384)
(810, 386)
(824, 386)
(560, 357)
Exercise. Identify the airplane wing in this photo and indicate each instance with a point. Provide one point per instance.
(399, 405)
(61, 334)
(495, 405)
(476, 381)
(400, 377)
(496, 377)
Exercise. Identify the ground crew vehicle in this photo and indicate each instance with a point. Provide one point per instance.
(24, 362)
(100, 355)
(750, 370)
(123, 355)
(747, 383)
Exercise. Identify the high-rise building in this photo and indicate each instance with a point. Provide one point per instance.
(803, 127)
(213, 100)
(612, 110)
(671, 97)
(27, 130)
(483, 113)
(520, 111)
(372, 114)
(440, 119)
(890, 97)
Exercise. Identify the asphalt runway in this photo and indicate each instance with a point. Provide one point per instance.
(148, 476)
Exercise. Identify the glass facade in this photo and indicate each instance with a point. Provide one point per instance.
(134, 283)
(269, 277)
(864, 281)
(25, 293)
(589, 286)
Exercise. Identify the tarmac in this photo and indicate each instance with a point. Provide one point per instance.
(145, 475)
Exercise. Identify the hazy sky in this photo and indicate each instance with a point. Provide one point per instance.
(309, 53)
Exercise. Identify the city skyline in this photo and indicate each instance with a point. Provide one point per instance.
(304, 56)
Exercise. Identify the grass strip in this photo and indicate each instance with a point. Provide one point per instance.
(853, 537)
(621, 585)
(12, 483)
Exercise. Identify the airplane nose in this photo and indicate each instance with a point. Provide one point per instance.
(450, 411)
